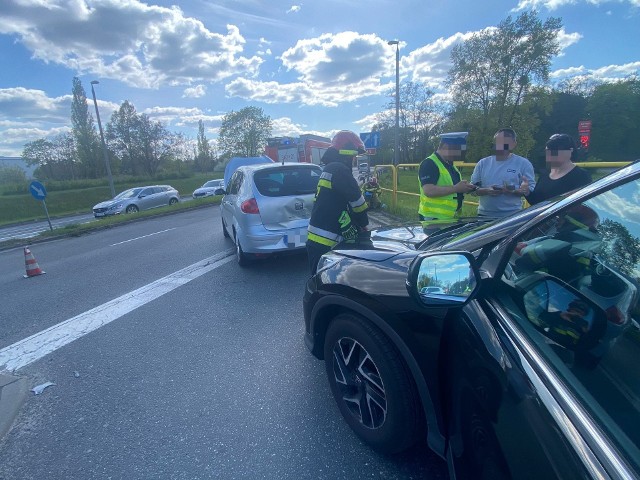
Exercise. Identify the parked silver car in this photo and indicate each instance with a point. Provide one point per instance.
(267, 208)
(212, 187)
(136, 199)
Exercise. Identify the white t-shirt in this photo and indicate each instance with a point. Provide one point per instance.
(504, 173)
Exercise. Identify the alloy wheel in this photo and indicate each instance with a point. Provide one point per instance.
(359, 382)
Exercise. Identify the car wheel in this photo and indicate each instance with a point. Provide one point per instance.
(173, 201)
(225, 232)
(372, 385)
(132, 209)
(243, 259)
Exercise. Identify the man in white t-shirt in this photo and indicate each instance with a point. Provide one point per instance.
(503, 179)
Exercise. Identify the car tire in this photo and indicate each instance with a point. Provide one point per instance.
(374, 389)
(173, 201)
(241, 257)
(132, 209)
(225, 232)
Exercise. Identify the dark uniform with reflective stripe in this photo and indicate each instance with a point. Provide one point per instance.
(339, 212)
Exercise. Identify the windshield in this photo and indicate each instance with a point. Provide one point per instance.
(133, 192)
(212, 183)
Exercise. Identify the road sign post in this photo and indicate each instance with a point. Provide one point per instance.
(40, 193)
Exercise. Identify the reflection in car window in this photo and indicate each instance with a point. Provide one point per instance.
(286, 181)
(133, 192)
(576, 277)
(235, 181)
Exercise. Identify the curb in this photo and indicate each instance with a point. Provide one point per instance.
(13, 393)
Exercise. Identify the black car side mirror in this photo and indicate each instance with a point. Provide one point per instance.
(443, 279)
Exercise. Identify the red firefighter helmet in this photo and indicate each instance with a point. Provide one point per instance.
(347, 143)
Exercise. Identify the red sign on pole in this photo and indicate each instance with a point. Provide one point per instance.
(371, 151)
(584, 126)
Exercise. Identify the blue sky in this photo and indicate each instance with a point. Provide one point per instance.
(312, 66)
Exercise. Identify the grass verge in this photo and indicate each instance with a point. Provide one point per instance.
(109, 222)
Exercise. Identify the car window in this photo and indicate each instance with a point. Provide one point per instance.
(286, 181)
(146, 192)
(573, 285)
(234, 182)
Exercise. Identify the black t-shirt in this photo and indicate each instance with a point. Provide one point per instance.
(547, 188)
(430, 174)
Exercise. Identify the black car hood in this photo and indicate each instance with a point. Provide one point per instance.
(466, 233)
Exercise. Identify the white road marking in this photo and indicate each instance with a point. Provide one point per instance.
(33, 348)
(144, 236)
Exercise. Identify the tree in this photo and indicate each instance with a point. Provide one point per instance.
(494, 70)
(204, 159)
(244, 133)
(55, 158)
(613, 109)
(157, 143)
(622, 249)
(84, 133)
(122, 137)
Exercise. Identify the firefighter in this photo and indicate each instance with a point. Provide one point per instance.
(340, 211)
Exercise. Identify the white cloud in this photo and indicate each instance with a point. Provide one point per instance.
(195, 92)
(565, 39)
(139, 44)
(555, 4)
(294, 9)
(330, 69)
(607, 73)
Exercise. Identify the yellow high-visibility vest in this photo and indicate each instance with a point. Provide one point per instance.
(439, 207)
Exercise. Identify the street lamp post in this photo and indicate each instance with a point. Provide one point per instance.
(104, 146)
(397, 133)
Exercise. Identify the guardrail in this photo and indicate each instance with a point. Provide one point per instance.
(394, 174)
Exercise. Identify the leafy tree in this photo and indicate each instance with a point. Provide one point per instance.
(244, 133)
(493, 72)
(158, 145)
(55, 157)
(122, 137)
(622, 250)
(613, 109)
(420, 117)
(84, 133)
(204, 159)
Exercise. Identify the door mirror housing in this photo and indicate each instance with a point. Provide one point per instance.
(443, 279)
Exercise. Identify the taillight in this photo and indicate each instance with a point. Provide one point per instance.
(250, 206)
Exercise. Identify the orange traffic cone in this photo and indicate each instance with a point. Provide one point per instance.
(31, 265)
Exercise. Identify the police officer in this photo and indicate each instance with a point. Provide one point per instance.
(340, 211)
(441, 187)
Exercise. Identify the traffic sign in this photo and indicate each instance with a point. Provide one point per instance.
(584, 126)
(370, 139)
(371, 151)
(37, 190)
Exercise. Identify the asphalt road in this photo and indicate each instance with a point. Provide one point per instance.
(211, 379)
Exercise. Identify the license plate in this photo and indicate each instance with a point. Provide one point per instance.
(99, 214)
(297, 239)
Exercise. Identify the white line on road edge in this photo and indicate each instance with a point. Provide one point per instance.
(144, 236)
(33, 348)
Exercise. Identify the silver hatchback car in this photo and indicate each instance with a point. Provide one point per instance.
(136, 199)
(266, 208)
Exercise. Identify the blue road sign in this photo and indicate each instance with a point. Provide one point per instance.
(370, 139)
(37, 190)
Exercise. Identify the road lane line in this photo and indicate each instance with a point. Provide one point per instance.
(33, 348)
(144, 236)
